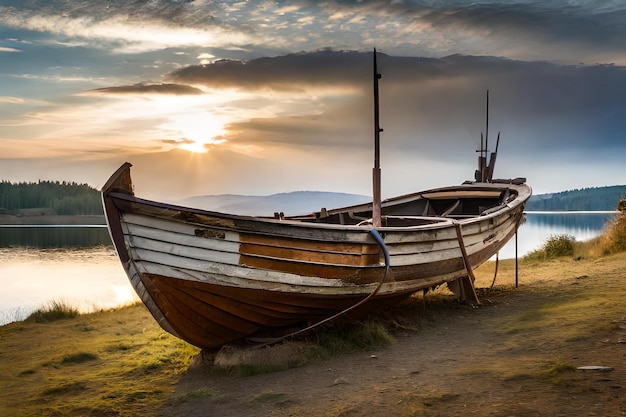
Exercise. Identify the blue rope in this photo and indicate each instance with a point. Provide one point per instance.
(381, 243)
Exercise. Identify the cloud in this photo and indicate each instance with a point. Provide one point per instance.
(5, 49)
(146, 88)
(12, 100)
(434, 89)
(133, 26)
(535, 30)
(572, 32)
(324, 67)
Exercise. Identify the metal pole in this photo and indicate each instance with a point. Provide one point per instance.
(516, 267)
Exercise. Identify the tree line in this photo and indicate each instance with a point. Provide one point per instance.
(586, 199)
(65, 198)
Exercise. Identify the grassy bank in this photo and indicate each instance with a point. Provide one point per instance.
(120, 362)
(113, 363)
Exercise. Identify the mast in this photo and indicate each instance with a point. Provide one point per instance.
(486, 137)
(376, 212)
(482, 174)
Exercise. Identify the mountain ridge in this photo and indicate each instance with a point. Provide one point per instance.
(290, 203)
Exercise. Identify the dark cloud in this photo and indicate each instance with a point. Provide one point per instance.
(146, 88)
(536, 104)
(567, 23)
(324, 67)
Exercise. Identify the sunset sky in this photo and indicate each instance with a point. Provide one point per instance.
(261, 97)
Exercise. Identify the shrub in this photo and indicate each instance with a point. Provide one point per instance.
(555, 246)
(55, 310)
(613, 239)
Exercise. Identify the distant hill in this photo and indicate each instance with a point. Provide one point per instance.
(586, 199)
(303, 202)
(297, 202)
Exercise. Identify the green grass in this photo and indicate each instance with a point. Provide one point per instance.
(555, 246)
(53, 311)
(123, 365)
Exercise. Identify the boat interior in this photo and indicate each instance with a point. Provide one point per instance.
(417, 209)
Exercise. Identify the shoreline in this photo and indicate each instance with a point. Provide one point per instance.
(52, 219)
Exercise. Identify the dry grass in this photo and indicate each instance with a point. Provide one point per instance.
(53, 311)
(115, 363)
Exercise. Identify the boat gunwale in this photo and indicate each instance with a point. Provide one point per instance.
(438, 222)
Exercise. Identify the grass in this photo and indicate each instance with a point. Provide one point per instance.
(79, 357)
(113, 363)
(352, 337)
(54, 310)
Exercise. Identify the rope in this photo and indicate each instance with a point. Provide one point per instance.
(378, 238)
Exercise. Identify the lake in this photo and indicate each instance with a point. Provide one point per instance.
(77, 263)
(539, 226)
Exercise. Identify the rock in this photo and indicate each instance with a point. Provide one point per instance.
(594, 368)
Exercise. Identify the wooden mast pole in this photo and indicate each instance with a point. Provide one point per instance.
(376, 211)
(486, 138)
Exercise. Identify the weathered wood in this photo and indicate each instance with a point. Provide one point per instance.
(211, 278)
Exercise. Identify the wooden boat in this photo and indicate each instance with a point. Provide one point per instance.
(212, 278)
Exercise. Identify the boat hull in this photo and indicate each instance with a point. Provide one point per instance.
(213, 278)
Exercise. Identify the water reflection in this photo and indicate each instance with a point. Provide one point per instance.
(54, 236)
(88, 278)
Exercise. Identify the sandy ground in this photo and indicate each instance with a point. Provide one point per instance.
(517, 354)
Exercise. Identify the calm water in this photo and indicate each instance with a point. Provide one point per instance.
(539, 226)
(78, 264)
(75, 264)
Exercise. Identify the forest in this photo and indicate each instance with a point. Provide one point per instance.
(70, 198)
(62, 198)
(586, 199)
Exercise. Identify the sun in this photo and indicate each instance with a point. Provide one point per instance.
(193, 146)
(200, 129)
(200, 146)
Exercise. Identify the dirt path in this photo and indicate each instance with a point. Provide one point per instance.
(516, 355)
